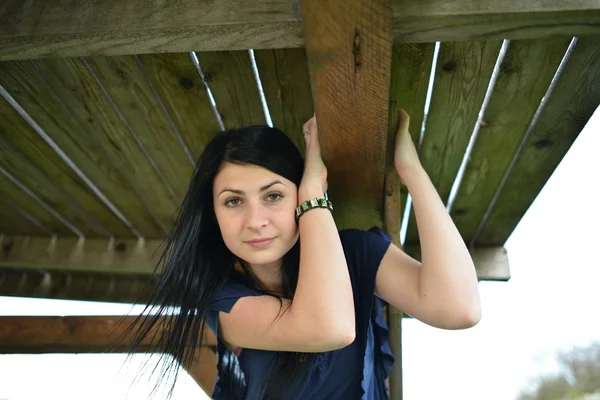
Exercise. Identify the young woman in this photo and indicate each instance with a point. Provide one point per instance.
(296, 305)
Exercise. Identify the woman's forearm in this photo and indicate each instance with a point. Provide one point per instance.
(448, 276)
(324, 293)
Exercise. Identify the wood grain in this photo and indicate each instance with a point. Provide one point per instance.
(44, 283)
(524, 77)
(182, 92)
(70, 28)
(14, 222)
(121, 256)
(9, 190)
(127, 86)
(81, 94)
(61, 124)
(462, 76)
(569, 107)
(45, 188)
(231, 80)
(535, 25)
(286, 85)
(392, 209)
(37, 335)
(349, 56)
(411, 68)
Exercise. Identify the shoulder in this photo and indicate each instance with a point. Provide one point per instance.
(226, 296)
(232, 290)
(364, 251)
(365, 246)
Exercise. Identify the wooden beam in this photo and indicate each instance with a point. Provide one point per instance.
(38, 28)
(67, 285)
(349, 59)
(459, 20)
(114, 256)
(37, 335)
(392, 219)
(88, 266)
(40, 335)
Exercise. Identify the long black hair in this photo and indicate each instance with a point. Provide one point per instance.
(196, 263)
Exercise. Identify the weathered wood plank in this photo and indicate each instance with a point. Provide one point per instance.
(182, 92)
(90, 334)
(491, 263)
(112, 287)
(126, 83)
(16, 195)
(462, 76)
(72, 28)
(45, 188)
(411, 68)
(127, 256)
(81, 94)
(431, 8)
(130, 257)
(527, 25)
(525, 75)
(231, 81)
(153, 41)
(392, 210)
(571, 104)
(39, 17)
(41, 102)
(13, 222)
(349, 57)
(286, 85)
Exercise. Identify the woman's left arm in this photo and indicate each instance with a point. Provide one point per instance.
(442, 289)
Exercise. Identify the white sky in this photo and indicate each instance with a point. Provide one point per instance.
(548, 305)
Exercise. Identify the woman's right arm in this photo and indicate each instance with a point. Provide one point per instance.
(321, 315)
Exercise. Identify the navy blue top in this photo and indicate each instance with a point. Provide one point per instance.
(357, 371)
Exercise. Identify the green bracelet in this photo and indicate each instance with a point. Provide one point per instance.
(310, 204)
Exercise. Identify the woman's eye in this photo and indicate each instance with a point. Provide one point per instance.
(232, 202)
(274, 196)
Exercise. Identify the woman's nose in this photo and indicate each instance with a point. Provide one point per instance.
(256, 216)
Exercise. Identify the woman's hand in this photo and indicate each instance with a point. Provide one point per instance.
(314, 179)
(406, 158)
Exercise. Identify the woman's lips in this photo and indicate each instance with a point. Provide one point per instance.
(260, 243)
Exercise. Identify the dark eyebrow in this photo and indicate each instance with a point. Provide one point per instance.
(262, 189)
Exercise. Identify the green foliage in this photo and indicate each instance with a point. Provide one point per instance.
(579, 377)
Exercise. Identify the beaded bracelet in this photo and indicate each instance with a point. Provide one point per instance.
(313, 203)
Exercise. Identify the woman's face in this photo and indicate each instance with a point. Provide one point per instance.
(252, 203)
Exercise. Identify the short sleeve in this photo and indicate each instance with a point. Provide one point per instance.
(364, 251)
(225, 299)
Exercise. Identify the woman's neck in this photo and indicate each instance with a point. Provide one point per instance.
(269, 276)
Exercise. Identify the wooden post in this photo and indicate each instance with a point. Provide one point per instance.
(349, 47)
(392, 221)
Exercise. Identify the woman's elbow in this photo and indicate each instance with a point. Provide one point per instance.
(468, 318)
(338, 335)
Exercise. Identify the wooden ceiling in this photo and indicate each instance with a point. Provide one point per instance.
(105, 108)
